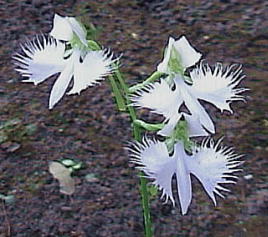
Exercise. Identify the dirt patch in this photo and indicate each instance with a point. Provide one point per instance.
(87, 128)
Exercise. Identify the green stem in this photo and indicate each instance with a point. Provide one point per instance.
(118, 95)
(156, 75)
(93, 45)
(122, 104)
(143, 181)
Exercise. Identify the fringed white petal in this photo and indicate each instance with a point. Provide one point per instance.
(163, 66)
(95, 66)
(184, 185)
(153, 159)
(62, 29)
(164, 100)
(217, 86)
(158, 97)
(188, 55)
(213, 165)
(43, 57)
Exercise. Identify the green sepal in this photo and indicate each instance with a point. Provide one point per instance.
(148, 126)
(180, 133)
(93, 45)
(75, 42)
(174, 62)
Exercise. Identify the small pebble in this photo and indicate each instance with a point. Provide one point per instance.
(248, 177)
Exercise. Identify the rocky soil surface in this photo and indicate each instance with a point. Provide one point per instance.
(87, 127)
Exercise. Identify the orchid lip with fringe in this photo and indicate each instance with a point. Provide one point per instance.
(211, 163)
(46, 56)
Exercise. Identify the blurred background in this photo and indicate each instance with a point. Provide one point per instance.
(88, 129)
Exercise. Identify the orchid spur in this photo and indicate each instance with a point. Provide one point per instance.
(211, 163)
(65, 51)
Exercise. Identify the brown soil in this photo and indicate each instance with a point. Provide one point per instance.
(88, 128)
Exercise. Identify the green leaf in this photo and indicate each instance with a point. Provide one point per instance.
(77, 166)
(68, 162)
(10, 123)
(7, 198)
(117, 94)
(91, 178)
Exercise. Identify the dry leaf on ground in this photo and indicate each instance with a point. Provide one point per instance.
(63, 175)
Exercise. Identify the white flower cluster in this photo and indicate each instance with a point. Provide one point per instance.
(211, 164)
(80, 64)
(48, 55)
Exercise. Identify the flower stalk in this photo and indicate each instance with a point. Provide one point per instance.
(137, 136)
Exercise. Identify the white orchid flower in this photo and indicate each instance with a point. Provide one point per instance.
(179, 55)
(46, 56)
(214, 86)
(210, 163)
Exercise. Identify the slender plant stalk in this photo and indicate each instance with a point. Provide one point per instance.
(122, 102)
(137, 136)
(156, 75)
(117, 94)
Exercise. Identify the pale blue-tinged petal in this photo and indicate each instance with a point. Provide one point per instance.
(217, 86)
(95, 66)
(153, 159)
(188, 55)
(195, 128)
(163, 66)
(170, 125)
(61, 84)
(193, 104)
(62, 29)
(158, 97)
(184, 185)
(194, 125)
(78, 29)
(213, 165)
(43, 58)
